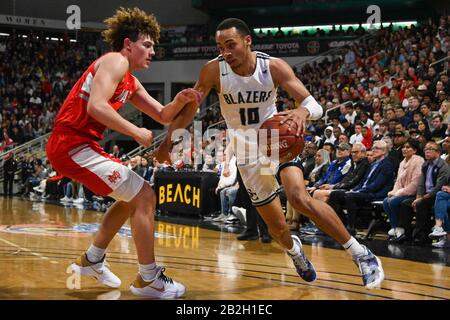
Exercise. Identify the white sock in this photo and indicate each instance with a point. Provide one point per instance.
(148, 271)
(354, 248)
(95, 254)
(295, 250)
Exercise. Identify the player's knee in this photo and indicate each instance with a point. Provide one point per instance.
(152, 196)
(146, 196)
(318, 194)
(301, 202)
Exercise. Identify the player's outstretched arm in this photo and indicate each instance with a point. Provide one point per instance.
(110, 72)
(207, 80)
(164, 114)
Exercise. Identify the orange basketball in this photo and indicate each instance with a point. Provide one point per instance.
(289, 146)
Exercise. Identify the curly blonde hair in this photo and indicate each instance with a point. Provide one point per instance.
(129, 23)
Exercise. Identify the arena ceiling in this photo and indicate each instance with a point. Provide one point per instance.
(256, 12)
(168, 12)
(309, 12)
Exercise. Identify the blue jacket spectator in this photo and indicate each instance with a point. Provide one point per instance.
(339, 167)
(378, 181)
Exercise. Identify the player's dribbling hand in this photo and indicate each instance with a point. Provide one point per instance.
(189, 95)
(144, 137)
(298, 116)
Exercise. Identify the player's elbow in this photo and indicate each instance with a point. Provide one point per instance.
(165, 118)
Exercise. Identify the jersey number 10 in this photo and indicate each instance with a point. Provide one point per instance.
(249, 117)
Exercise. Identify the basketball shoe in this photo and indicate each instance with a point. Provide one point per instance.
(304, 267)
(97, 270)
(371, 269)
(161, 287)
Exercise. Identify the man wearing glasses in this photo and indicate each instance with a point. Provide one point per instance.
(435, 174)
(377, 181)
(360, 164)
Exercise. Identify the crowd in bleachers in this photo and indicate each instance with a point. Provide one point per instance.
(387, 107)
(388, 139)
(385, 136)
(36, 74)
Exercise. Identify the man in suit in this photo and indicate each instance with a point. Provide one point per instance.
(9, 168)
(435, 175)
(116, 152)
(360, 166)
(377, 181)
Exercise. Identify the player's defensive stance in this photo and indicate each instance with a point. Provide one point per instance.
(72, 149)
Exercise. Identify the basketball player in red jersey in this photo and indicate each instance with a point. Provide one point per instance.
(239, 70)
(73, 151)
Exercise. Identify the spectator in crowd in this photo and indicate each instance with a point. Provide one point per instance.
(227, 189)
(7, 142)
(405, 186)
(328, 136)
(135, 166)
(350, 113)
(36, 177)
(438, 131)
(423, 129)
(348, 127)
(401, 116)
(360, 164)
(367, 137)
(382, 131)
(377, 181)
(308, 158)
(441, 229)
(147, 167)
(350, 58)
(337, 169)
(357, 137)
(321, 163)
(116, 152)
(434, 175)
(9, 170)
(331, 149)
(427, 113)
(394, 155)
(365, 120)
(444, 110)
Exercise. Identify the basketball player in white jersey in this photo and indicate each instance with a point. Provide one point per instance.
(246, 82)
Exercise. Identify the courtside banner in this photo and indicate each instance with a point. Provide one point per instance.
(284, 48)
(185, 192)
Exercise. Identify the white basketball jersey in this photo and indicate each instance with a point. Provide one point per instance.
(246, 102)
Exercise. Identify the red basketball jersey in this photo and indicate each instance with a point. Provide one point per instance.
(73, 118)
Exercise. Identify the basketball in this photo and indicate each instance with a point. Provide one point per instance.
(289, 145)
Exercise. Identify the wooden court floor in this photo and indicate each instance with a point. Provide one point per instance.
(38, 241)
